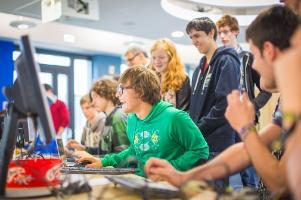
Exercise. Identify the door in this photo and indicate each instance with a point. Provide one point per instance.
(61, 79)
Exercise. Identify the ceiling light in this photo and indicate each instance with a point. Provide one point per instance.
(69, 38)
(177, 34)
(22, 24)
(214, 9)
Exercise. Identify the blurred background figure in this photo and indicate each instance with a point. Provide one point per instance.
(175, 84)
(114, 138)
(92, 131)
(59, 111)
(135, 55)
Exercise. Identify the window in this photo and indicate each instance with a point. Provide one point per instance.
(82, 85)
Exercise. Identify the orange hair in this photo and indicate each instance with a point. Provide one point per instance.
(174, 76)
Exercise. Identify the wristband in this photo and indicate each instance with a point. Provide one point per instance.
(246, 130)
(290, 116)
(293, 119)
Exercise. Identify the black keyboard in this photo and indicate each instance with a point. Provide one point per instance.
(146, 187)
(105, 170)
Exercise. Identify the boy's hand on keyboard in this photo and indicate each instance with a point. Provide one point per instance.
(94, 162)
(81, 154)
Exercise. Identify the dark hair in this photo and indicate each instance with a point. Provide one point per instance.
(202, 24)
(144, 81)
(106, 88)
(47, 87)
(275, 25)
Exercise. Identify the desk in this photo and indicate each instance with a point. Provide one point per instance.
(108, 191)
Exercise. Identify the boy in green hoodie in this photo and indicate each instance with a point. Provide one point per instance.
(155, 128)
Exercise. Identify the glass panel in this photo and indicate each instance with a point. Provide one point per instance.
(123, 67)
(15, 75)
(46, 78)
(62, 88)
(54, 60)
(82, 84)
(82, 75)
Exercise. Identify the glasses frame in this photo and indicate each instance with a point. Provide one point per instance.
(120, 88)
(130, 60)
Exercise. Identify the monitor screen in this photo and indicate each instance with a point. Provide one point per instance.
(26, 99)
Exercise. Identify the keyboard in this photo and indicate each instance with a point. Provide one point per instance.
(104, 170)
(146, 187)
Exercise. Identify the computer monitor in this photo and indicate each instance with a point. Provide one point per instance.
(26, 99)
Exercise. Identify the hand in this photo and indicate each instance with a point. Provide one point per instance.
(240, 111)
(86, 157)
(159, 169)
(75, 145)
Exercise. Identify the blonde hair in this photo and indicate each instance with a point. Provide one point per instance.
(85, 99)
(174, 76)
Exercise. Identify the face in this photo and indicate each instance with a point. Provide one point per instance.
(295, 40)
(263, 64)
(228, 37)
(99, 103)
(160, 60)
(88, 110)
(129, 99)
(201, 40)
(133, 59)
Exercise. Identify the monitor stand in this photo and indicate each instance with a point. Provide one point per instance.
(16, 111)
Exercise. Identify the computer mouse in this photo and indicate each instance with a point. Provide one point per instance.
(70, 159)
(84, 163)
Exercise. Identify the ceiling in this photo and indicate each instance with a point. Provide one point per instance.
(120, 23)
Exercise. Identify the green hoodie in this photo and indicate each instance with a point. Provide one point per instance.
(166, 133)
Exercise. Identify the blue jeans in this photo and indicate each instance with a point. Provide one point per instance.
(249, 177)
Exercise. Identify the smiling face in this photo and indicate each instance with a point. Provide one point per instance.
(160, 60)
(201, 40)
(129, 98)
(263, 64)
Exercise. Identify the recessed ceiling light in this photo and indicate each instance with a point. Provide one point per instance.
(69, 38)
(177, 34)
(22, 24)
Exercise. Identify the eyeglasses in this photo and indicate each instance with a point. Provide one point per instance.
(129, 60)
(121, 88)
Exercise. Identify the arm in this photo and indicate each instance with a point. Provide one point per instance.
(190, 139)
(117, 159)
(183, 96)
(64, 118)
(266, 165)
(263, 97)
(294, 162)
(74, 144)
